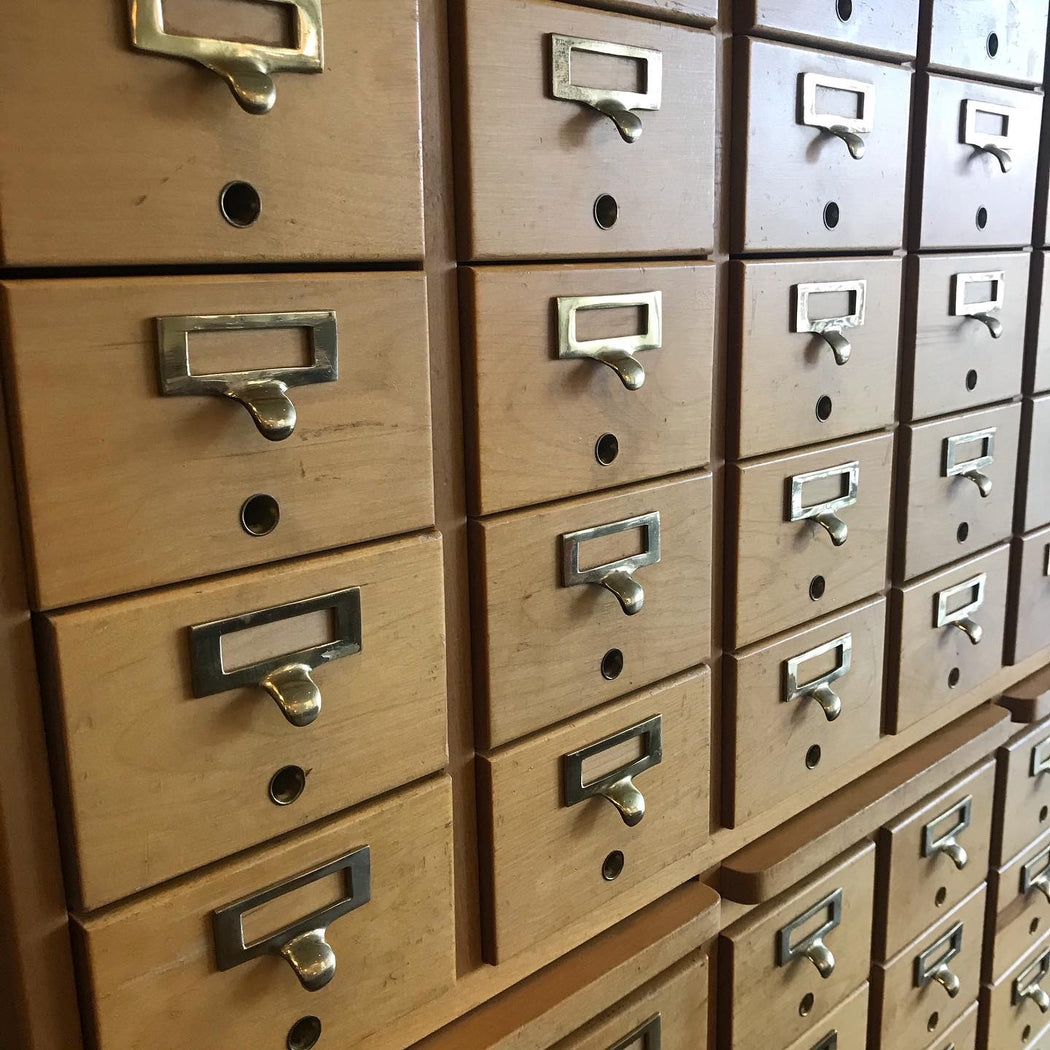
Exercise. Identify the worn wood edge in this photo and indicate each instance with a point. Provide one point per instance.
(1029, 699)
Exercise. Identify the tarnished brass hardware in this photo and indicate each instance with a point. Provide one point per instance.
(812, 946)
(820, 688)
(1035, 875)
(998, 146)
(826, 514)
(1026, 984)
(850, 129)
(948, 841)
(986, 309)
(933, 963)
(962, 618)
(1041, 758)
(647, 1036)
(830, 329)
(972, 469)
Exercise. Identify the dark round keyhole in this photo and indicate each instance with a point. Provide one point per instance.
(982, 218)
(817, 586)
(1026, 1033)
(1033, 926)
(813, 757)
(962, 533)
(935, 1019)
(831, 215)
(260, 514)
(287, 784)
(607, 449)
(993, 44)
(953, 677)
(304, 1034)
(941, 896)
(612, 866)
(1043, 814)
(240, 204)
(612, 664)
(806, 1005)
(971, 379)
(844, 9)
(824, 407)
(606, 211)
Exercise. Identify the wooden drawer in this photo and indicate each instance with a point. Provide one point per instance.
(1038, 376)
(147, 489)
(616, 799)
(845, 1028)
(794, 386)
(967, 200)
(769, 983)
(1010, 1019)
(909, 1004)
(1034, 504)
(777, 157)
(1028, 622)
(933, 657)
(786, 571)
(602, 375)
(1018, 907)
(702, 12)
(545, 174)
(960, 1036)
(957, 495)
(155, 975)
(1023, 792)
(964, 331)
(1002, 39)
(169, 701)
(552, 644)
(135, 160)
(800, 707)
(931, 857)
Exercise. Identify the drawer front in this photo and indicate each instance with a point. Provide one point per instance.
(801, 707)
(958, 496)
(910, 997)
(557, 643)
(771, 981)
(965, 331)
(615, 798)
(603, 374)
(845, 1028)
(1039, 325)
(816, 350)
(546, 173)
(961, 1036)
(968, 200)
(789, 571)
(187, 484)
(830, 191)
(703, 12)
(936, 620)
(1011, 1014)
(161, 970)
(933, 856)
(335, 693)
(1019, 909)
(138, 170)
(1035, 446)
(1028, 629)
(1024, 778)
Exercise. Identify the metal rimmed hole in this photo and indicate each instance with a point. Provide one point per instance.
(1026, 1033)
(287, 785)
(940, 896)
(935, 1019)
(260, 514)
(813, 757)
(612, 664)
(971, 379)
(606, 211)
(992, 44)
(1033, 925)
(824, 407)
(844, 9)
(612, 866)
(240, 204)
(817, 586)
(962, 533)
(1043, 814)
(305, 1033)
(806, 1005)
(982, 218)
(831, 215)
(953, 677)
(606, 449)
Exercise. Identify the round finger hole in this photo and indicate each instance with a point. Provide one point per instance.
(982, 218)
(287, 784)
(1026, 1033)
(606, 211)
(971, 379)
(612, 866)
(940, 896)
(953, 677)
(612, 664)
(962, 533)
(817, 586)
(844, 9)
(240, 204)
(260, 515)
(935, 1019)
(304, 1034)
(993, 44)
(1043, 813)
(806, 1005)
(824, 407)
(831, 215)
(813, 757)
(607, 449)
(1033, 925)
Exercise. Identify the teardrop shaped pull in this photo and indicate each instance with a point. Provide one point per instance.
(625, 365)
(840, 345)
(311, 958)
(269, 406)
(854, 143)
(628, 124)
(835, 527)
(627, 589)
(628, 800)
(295, 693)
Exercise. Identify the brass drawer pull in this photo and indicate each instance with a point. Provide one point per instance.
(829, 1042)
(850, 129)
(826, 514)
(812, 947)
(247, 68)
(830, 329)
(264, 391)
(645, 1037)
(616, 105)
(962, 618)
(972, 469)
(1041, 757)
(285, 677)
(617, 352)
(618, 786)
(998, 146)
(303, 944)
(1035, 875)
(1026, 984)
(614, 576)
(820, 688)
(932, 964)
(948, 842)
(986, 309)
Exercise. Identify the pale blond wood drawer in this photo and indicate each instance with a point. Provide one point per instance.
(800, 707)
(965, 331)
(909, 1004)
(701, 12)
(545, 174)
(961, 1036)
(154, 978)
(1023, 792)
(1034, 503)
(1028, 626)
(769, 984)
(128, 161)
(957, 493)
(786, 571)
(933, 658)
(1039, 326)
(1010, 1019)
(614, 801)
(549, 418)
(931, 857)
(1018, 907)
(777, 157)
(845, 1028)
(552, 644)
(967, 200)
(169, 702)
(792, 385)
(125, 488)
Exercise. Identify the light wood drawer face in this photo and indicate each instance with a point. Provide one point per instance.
(1012, 1018)
(845, 1028)
(147, 489)
(1024, 791)
(133, 171)
(788, 572)
(554, 647)
(958, 492)
(1020, 904)
(699, 11)
(955, 303)
(1028, 631)
(1002, 39)
(931, 857)
(545, 174)
(909, 1004)
(816, 357)
(778, 157)
(967, 199)
(552, 419)
(151, 966)
(763, 996)
(933, 655)
(149, 716)
(1035, 446)
(961, 1036)
(1039, 325)
(612, 800)
(801, 707)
